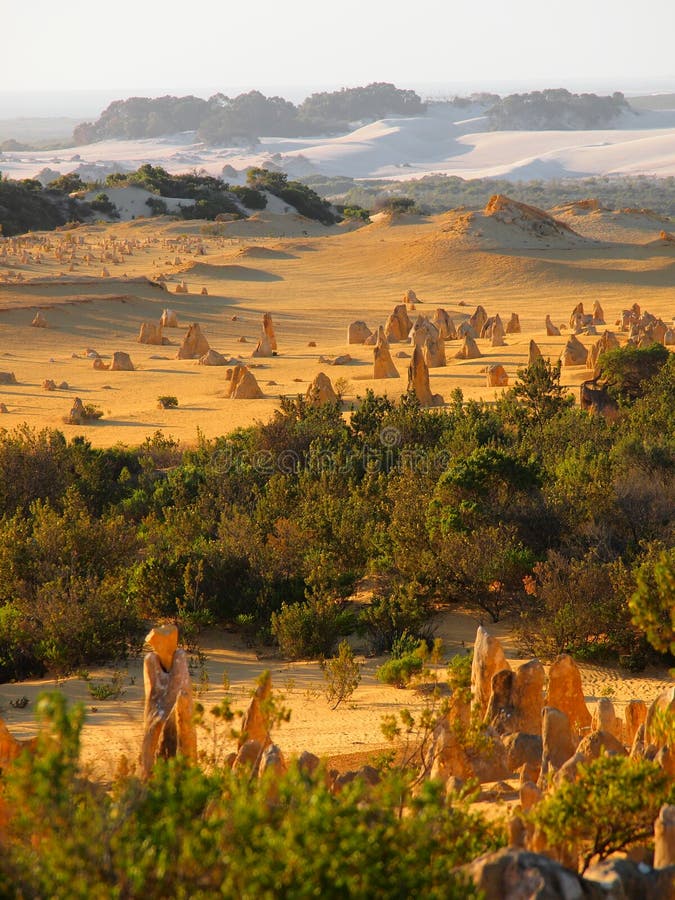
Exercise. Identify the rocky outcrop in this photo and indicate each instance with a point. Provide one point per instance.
(263, 348)
(445, 325)
(213, 358)
(150, 333)
(422, 331)
(566, 693)
(39, 321)
(418, 380)
(516, 699)
(513, 325)
(194, 343)
(488, 659)
(434, 352)
(358, 332)
(243, 385)
(478, 319)
(468, 350)
(496, 376)
(168, 720)
(168, 319)
(574, 353)
(121, 362)
(268, 329)
(558, 742)
(8, 378)
(321, 391)
(608, 341)
(383, 364)
(534, 353)
(398, 325)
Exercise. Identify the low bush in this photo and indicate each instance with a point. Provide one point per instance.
(310, 629)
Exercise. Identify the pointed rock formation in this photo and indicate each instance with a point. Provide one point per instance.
(608, 341)
(551, 329)
(488, 659)
(213, 358)
(194, 343)
(121, 362)
(478, 319)
(565, 692)
(168, 722)
(605, 718)
(321, 391)
(635, 715)
(264, 347)
(434, 352)
(516, 699)
(383, 364)
(422, 330)
(497, 333)
(411, 297)
(534, 353)
(445, 325)
(598, 314)
(574, 352)
(39, 321)
(168, 319)
(513, 325)
(418, 380)
(7, 378)
(243, 385)
(268, 329)
(558, 742)
(469, 349)
(358, 333)
(398, 325)
(466, 329)
(255, 724)
(150, 333)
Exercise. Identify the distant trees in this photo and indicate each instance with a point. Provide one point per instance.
(555, 109)
(244, 118)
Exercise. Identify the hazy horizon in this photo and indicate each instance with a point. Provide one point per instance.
(145, 49)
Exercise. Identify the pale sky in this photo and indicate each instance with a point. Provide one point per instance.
(151, 47)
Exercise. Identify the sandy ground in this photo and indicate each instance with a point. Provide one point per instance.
(314, 280)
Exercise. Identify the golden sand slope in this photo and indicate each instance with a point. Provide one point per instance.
(313, 279)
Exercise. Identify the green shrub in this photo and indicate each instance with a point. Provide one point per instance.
(387, 618)
(400, 670)
(342, 675)
(188, 833)
(310, 629)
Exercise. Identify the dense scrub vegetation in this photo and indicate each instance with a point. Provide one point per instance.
(556, 109)
(28, 206)
(243, 119)
(527, 505)
(439, 193)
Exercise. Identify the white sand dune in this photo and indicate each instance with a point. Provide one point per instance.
(444, 141)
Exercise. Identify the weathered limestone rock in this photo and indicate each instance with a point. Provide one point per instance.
(534, 353)
(243, 385)
(513, 325)
(268, 329)
(551, 329)
(204, 292)
(496, 376)
(422, 331)
(466, 329)
(637, 750)
(194, 343)
(635, 715)
(523, 749)
(7, 378)
(398, 325)
(3, 409)
(569, 769)
(182, 288)
(321, 391)
(447, 758)
(308, 762)
(150, 333)
(478, 319)
(598, 314)
(608, 341)
(514, 874)
(248, 756)
(664, 837)
(469, 349)
(77, 414)
(100, 365)
(625, 879)
(574, 353)
(445, 325)
(255, 726)
(411, 297)
(488, 659)
(213, 358)
(264, 347)
(121, 362)
(558, 744)
(598, 742)
(418, 380)
(168, 319)
(434, 353)
(358, 332)
(39, 321)
(168, 724)
(497, 335)
(530, 795)
(49, 384)
(605, 718)
(383, 364)
(566, 693)
(272, 760)
(516, 699)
